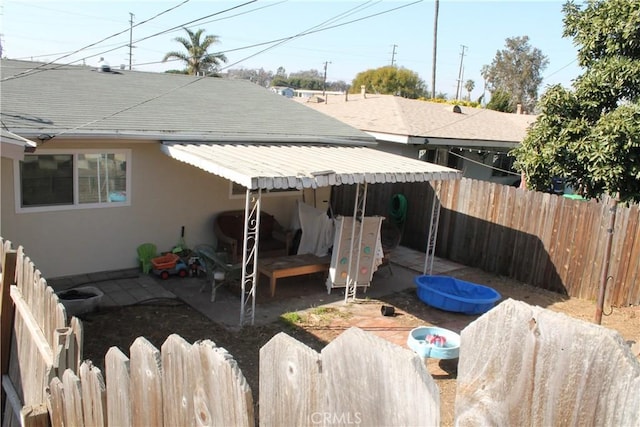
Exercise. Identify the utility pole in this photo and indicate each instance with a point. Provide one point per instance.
(130, 38)
(393, 55)
(324, 81)
(460, 71)
(435, 49)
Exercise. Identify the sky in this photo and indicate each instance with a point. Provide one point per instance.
(346, 37)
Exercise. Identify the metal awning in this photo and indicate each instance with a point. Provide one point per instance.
(266, 166)
(282, 166)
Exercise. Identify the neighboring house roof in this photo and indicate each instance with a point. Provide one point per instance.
(394, 115)
(232, 128)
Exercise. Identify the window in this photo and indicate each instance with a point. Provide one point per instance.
(237, 191)
(54, 180)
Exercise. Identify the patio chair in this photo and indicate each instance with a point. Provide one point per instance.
(217, 268)
(228, 228)
(146, 252)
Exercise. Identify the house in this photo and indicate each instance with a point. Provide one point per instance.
(13, 146)
(127, 157)
(283, 90)
(473, 140)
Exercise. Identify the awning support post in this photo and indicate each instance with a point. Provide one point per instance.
(358, 215)
(253, 200)
(433, 230)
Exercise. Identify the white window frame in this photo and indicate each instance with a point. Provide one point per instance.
(76, 205)
(265, 193)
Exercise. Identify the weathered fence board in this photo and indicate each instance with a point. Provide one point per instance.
(72, 399)
(183, 384)
(118, 388)
(291, 387)
(542, 239)
(177, 377)
(38, 335)
(364, 380)
(366, 376)
(93, 395)
(227, 381)
(146, 384)
(524, 365)
(55, 402)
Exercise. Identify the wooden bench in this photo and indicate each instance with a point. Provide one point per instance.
(292, 265)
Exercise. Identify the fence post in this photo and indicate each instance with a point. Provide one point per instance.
(604, 275)
(7, 312)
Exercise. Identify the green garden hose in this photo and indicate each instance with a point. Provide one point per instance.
(398, 209)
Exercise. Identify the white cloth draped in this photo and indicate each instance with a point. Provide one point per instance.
(317, 230)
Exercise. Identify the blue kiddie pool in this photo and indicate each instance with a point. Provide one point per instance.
(451, 294)
(431, 341)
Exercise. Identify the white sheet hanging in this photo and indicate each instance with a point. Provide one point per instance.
(317, 230)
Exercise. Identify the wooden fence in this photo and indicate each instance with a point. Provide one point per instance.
(527, 366)
(542, 239)
(191, 384)
(518, 365)
(38, 343)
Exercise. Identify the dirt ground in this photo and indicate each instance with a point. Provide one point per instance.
(318, 326)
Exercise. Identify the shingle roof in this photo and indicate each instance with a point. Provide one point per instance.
(81, 101)
(400, 116)
(231, 128)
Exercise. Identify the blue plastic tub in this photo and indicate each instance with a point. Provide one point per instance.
(451, 294)
(418, 342)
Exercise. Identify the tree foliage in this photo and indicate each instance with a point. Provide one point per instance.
(469, 85)
(258, 76)
(309, 79)
(517, 70)
(590, 135)
(390, 80)
(196, 58)
(500, 101)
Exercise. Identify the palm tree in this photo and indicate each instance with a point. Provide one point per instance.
(469, 86)
(197, 59)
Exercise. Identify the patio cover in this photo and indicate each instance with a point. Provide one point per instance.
(265, 166)
(282, 166)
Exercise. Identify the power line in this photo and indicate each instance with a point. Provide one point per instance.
(39, 68)
(277, 42)
(119, 44)
(175, 28)
(283, 40)
(559, 69)
(108, 116)
(483, 164)
(198, 79)
(311, 30)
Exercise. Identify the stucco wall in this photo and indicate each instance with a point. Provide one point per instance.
(166, 194)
